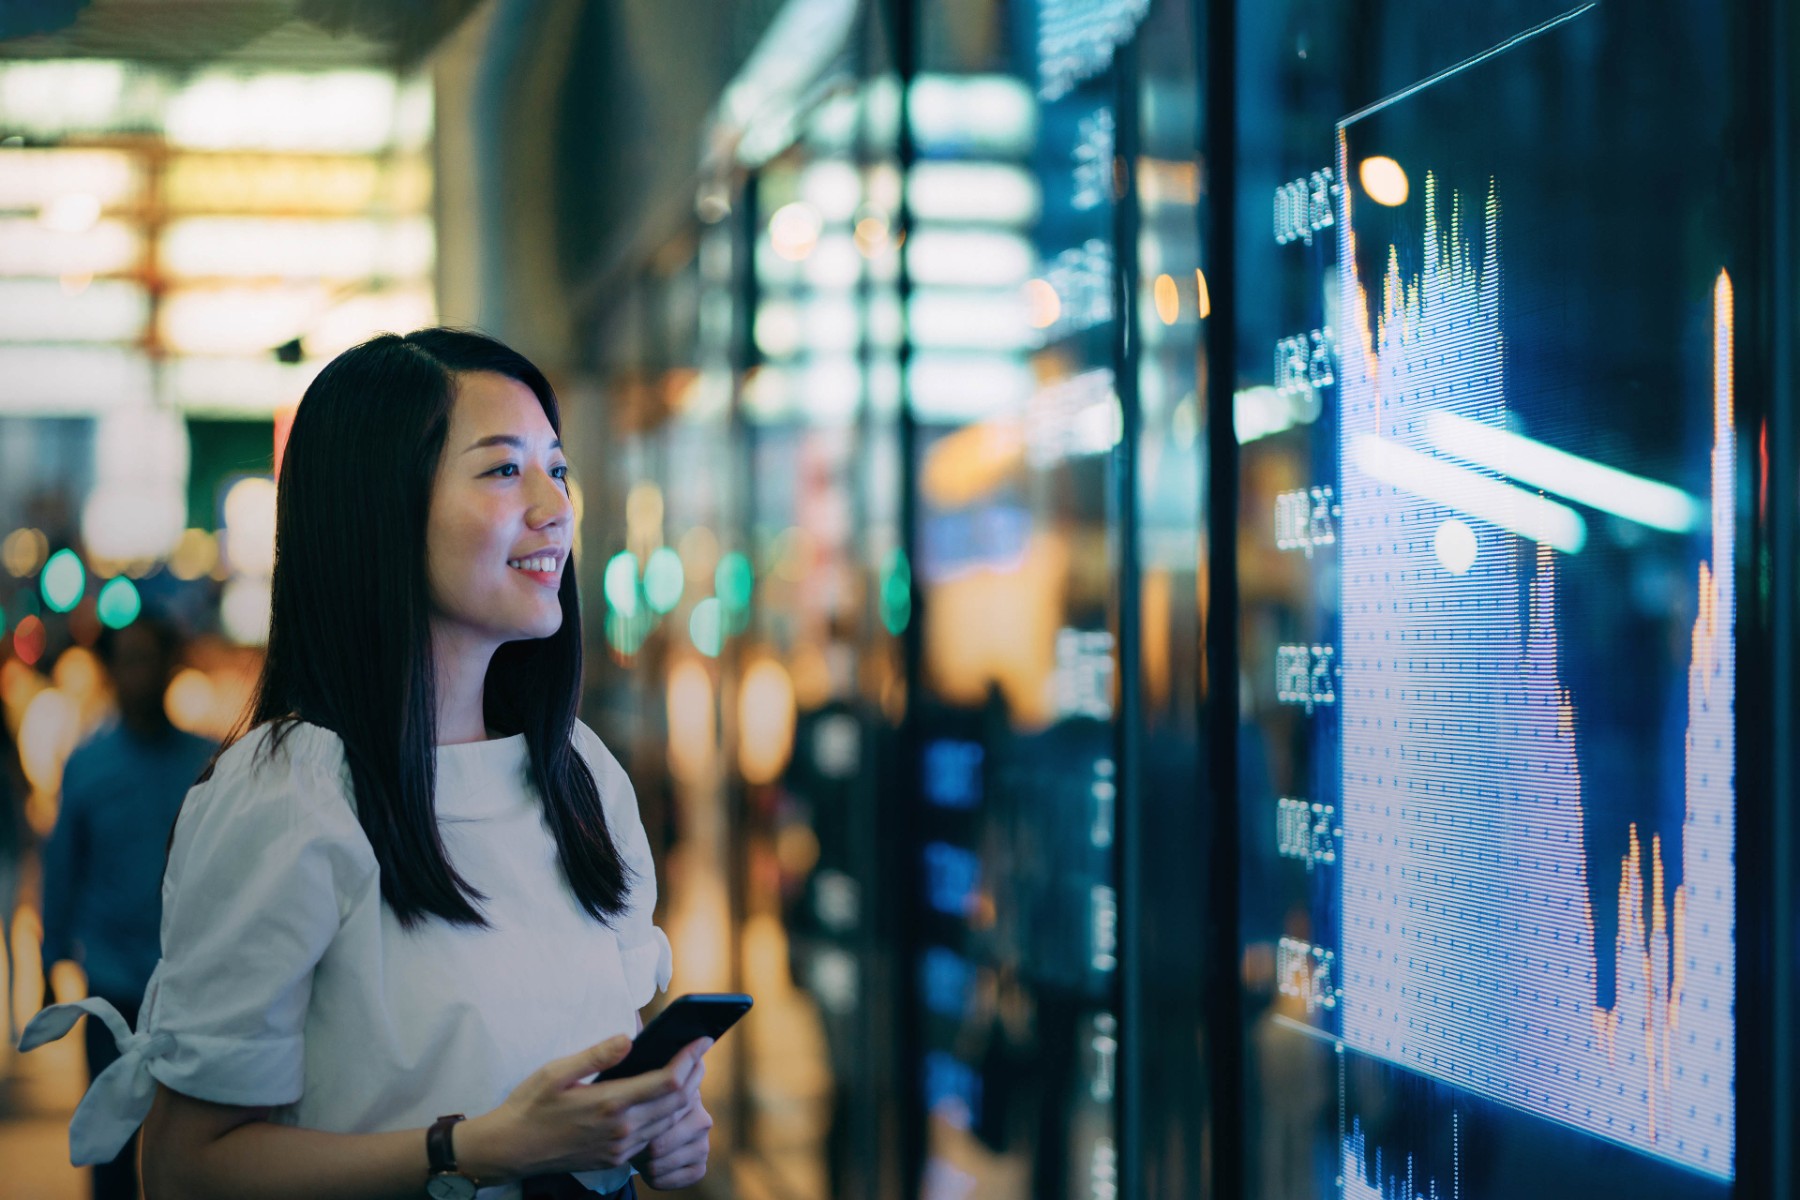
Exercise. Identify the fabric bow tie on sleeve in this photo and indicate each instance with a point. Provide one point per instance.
(119, 1099)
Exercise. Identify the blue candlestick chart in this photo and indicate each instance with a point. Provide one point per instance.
(1468, 947)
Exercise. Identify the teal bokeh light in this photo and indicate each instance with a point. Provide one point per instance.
(706, 627)
(63, 581)
(896, 592)
(621, 584)
(664, 580)
(734, 581)
(120, 603)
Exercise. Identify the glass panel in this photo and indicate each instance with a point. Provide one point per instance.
(1014, 390)
(1490, 473)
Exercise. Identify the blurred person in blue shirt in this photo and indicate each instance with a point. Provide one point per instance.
(103, 864)
(12, 848)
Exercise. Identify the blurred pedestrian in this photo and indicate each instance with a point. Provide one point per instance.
(415, 887)
(13, 839)
(103, 863)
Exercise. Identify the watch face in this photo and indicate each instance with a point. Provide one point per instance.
(450, 1187)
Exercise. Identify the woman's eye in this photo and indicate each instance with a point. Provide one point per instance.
(507, 471)
(561, 472)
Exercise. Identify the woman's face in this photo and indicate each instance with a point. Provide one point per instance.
(498, 537)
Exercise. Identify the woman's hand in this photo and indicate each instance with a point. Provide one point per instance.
(553, 1122)
(677, 1158)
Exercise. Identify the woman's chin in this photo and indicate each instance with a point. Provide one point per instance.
(542, 628)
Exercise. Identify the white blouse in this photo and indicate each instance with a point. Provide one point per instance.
(286, 982)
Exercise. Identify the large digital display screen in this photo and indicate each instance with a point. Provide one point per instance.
(1490, 499)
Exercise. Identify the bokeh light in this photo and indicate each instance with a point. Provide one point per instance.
(47, 735)
(620, 584)
(794, 230)
(28, 641)
(1168, 299)
(1384, 180)
(77, 675)
(1455, 546)
(871, 235)
(693, 727)
(1042, 304)
(195, 555)
(643, 516)
(250, 525)
(707, 628)
(896, 592)
(664, 580)
(765, 721)
(189, 701)
(63, 581)
(734, 581)
(244, 610)
(119, 603)
(24, 552)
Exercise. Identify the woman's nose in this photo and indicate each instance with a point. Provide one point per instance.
(550, 504)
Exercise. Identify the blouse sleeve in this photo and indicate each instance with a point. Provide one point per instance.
(643, 947)
(266, 858)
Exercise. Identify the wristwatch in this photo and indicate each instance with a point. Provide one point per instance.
(446, 1182)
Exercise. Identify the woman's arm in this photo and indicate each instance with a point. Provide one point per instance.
(196, 1150)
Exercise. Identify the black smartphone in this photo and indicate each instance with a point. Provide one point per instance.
(687, 1018)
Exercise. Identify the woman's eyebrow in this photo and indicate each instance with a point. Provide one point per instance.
(505, 439)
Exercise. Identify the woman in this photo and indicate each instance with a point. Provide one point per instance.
(416, 887)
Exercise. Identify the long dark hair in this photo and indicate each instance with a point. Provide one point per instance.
(349, 636)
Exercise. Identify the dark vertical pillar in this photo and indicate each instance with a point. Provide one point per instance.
(1219, 704)
(1766, 124)
(739, 518)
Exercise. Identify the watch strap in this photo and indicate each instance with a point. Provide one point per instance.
(438, 1148)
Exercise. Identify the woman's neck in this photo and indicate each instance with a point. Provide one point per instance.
(459, 666)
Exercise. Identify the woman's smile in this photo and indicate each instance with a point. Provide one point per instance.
(544, 569)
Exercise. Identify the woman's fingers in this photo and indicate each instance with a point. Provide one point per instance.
(691, 1062)
(654, 1087)
(688, 1132)
(621, 1094)
(628, 1129)
(663, 1127)
(565, 1072)
(679, 1156)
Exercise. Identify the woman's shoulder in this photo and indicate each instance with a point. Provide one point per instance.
(288, 768)
(589, 744)
(609, 774)
(281, 784)
(276, 748)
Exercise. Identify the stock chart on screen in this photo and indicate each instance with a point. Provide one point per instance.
(1512, 674)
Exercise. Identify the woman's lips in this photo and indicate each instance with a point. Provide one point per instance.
(549, 579)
